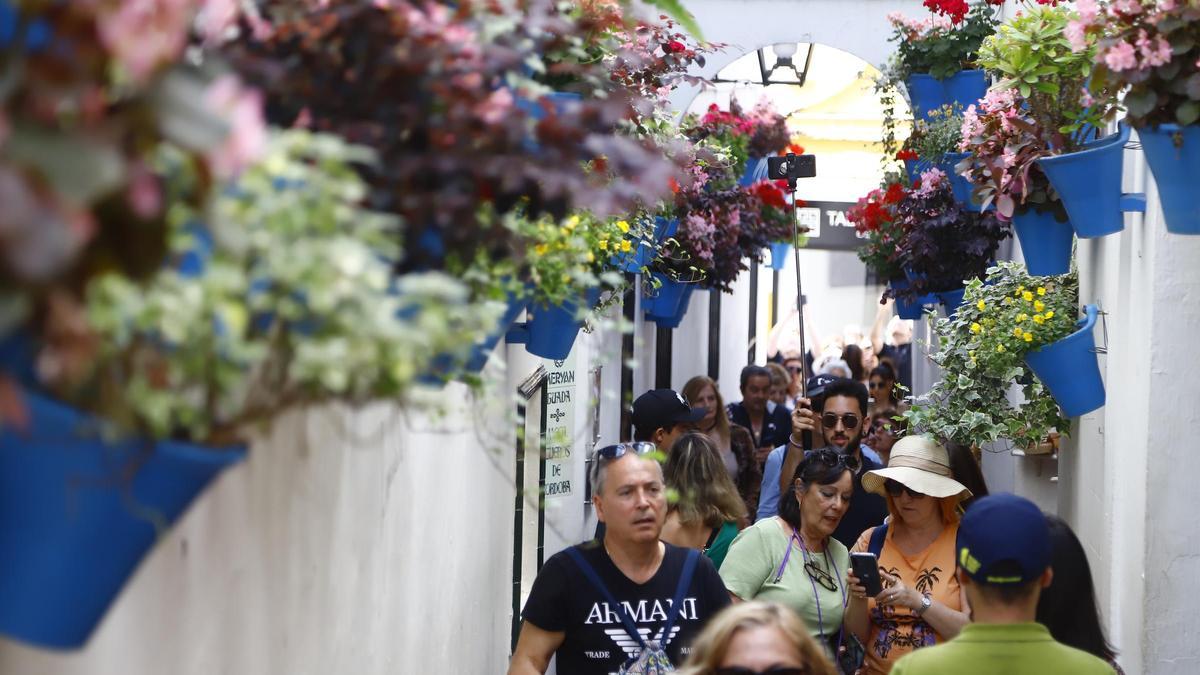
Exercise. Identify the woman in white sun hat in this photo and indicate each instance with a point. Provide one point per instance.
(921, 603)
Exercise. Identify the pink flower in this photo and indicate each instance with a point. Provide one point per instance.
(242, 109)
(216, 17)
(1126, 7)
(1154, 53)
(144, 34)
(1076, 35)
(1121, 56)
(494, 108)
(1088, 10)
(1085, 98)
(143, 192)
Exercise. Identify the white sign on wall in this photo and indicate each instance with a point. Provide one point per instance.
(560, 427)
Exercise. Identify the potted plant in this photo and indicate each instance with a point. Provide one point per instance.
(280, 293)
(1151, 50)
(1004, 143)
(883, 241)
(937, 139)
(935, 56)
(983, 352)
(944, 244)
(1055, 93)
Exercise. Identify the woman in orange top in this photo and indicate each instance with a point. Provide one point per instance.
(921, 603)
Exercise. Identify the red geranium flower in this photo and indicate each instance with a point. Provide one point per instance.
(906, 155)
(675, 46)
(894, 194)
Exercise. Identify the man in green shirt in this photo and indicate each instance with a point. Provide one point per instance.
(1003, 565)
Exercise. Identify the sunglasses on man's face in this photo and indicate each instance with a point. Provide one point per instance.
(895, 488)
(772, 670)
(830, 420)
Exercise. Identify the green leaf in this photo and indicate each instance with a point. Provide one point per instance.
(1188, 113)
(1140, 103)
(1193, 87)
(80, 169)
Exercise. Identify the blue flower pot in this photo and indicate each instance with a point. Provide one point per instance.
(965, 88)
(78, 512)
(1045, 242)
(665, 228)
(780, 250)
(961, 187)
(1089, 184)
(910, 309)
(487, 344)
(665, 304)
(681, 309)
(756, 170)
(951, 300)
(1070, 369)
(925, 93)
(915, 167)
(550, 332)
(1175, 171)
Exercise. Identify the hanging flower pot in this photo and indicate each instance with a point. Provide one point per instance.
(915, 167)
(487, 344)
(1175, 169)
(550, 331)
(1070, 368)
(959, 184)
(779, 254)
(78, 512)
(951, 300)
(1089, 184)
(909, 309)
(1045, 242)
(756, 170)
(926, 93)
(665, 303)
(965, 88)
(681, 309)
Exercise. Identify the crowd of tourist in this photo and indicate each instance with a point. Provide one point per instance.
(803, 530)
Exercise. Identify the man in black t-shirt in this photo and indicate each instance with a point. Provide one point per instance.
(567, 617)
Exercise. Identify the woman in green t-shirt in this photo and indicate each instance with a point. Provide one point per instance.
(706, 509)
(791, 558)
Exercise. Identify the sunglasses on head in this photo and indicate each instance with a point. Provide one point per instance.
(832, 458)
(772, 670)
(830, 420)
(894, 488)
(611, 452)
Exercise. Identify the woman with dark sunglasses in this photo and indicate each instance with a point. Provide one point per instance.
(756, 638)
(792, 558)
(921, 603)
(881, 385)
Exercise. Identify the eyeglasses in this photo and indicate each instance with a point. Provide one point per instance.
(820, 576)
(894, 488)
(833, 458)
(830, 420)
(876, 384)
(610, 452)
(794, 369)
(772, 670)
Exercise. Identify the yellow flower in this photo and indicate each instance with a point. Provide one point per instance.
(571, 223)
(971, 353)
(1022, 317)
(1039, 319)
(623, 225)
(603, 244)
(1000, 349)
(591, 257)
(1027, 296)
(1041, 290)
(566, 278)
(981, 305)
(1038, 305)
(1018, 332)
(1019, 289)
(541, 249)
(1050, 314)
(626, 247)
(976, 328)
(1028, 337)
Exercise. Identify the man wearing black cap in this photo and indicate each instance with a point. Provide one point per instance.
(662, 415)
(1003, 565)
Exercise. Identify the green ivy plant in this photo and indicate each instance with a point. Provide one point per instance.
(289, 299)
(981, 353)
(940, 134)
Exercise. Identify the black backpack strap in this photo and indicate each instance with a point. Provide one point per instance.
(875, 547)
(685, 580)
(590, 573)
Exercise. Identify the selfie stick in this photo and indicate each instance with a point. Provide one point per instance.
(791, 157)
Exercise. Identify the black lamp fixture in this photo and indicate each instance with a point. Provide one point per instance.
(785, 54)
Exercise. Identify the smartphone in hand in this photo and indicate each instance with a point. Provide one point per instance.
(866, 568)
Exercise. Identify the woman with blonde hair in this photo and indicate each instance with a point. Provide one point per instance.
(707, 510)
(735, 443)
(756, 637)
(921, 603)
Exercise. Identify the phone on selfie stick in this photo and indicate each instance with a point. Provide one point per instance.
(866, 568)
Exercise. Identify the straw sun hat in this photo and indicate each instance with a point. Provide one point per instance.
(920, 464)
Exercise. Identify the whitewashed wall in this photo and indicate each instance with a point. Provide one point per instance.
(369, 542)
